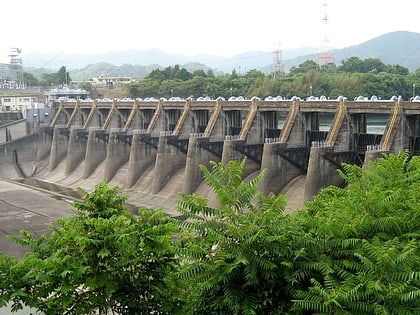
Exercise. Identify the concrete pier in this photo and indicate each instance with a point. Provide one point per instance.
(197, 155)
(279, 171)
(169, 159)
(142, 155)
(118, 153)
(96, 150)
(76, 152)
(321, 173)
(59, 146)
(45, 136)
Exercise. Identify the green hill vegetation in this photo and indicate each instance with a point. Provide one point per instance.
(351, 250)
(353, 78)
(400, 47)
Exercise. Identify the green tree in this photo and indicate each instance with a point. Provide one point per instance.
(368, 238)
(210, 73)
(30, 79)
(156, 75)
(63, 77)
(199, 73)
(56, 78)
(264, 87)
(397, 69)
(373, 65)
(304, 67)
(239, 255)
(351, 65)
(101, 259)
(183, 75)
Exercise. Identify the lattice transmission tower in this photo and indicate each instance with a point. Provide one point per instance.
(277, 68)
(16, 66)
(325, 55)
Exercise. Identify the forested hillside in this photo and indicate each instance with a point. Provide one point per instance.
(402, 48)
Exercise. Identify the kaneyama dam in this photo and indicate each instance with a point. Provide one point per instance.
(152, 149)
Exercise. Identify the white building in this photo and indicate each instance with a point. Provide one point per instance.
(19, 103)
(65, 93)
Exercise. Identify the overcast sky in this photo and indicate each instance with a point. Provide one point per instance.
(222, 27)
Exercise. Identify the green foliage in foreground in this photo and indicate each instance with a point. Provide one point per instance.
(98, 260)
(240, 260)
(350, 251)
(367, 235)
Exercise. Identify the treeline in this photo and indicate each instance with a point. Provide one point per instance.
(353, 250)
(59, 78)
(354, 77)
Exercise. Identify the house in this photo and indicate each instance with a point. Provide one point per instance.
(18, 102)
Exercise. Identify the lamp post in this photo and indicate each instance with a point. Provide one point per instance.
(310, 89)
(231, 91)
(414, 90)
(172, 92)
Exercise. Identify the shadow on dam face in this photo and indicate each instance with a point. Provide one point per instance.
(61, 192)
(51, 187)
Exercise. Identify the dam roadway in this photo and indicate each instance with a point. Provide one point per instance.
(152, 149)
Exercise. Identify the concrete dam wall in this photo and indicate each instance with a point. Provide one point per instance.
(152, 150)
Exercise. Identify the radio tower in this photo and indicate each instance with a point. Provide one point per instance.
(277, 69)
(325, 56)
(15, 65)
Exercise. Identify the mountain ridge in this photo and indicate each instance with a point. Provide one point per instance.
(400, 47)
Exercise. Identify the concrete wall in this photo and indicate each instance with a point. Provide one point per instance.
(95, 152)
(321, 173)
(142, 155)
(44, 143)
(196, 156)
(59, 146)
(118, 154)
(13, 130)
(76, 151)
(169, 159)
(24, 149)
(92, 147)
(370, 157)
(230, 153)
(279, 171)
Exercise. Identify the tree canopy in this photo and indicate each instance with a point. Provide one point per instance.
(100, 259)
(354, 77)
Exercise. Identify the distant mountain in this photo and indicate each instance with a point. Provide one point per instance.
(402, 48)
(396, 48)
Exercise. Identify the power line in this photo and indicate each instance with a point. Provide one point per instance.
(53, 59)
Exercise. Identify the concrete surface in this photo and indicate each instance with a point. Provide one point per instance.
(25, 208)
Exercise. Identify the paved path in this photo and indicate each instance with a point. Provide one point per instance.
(26, 208)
